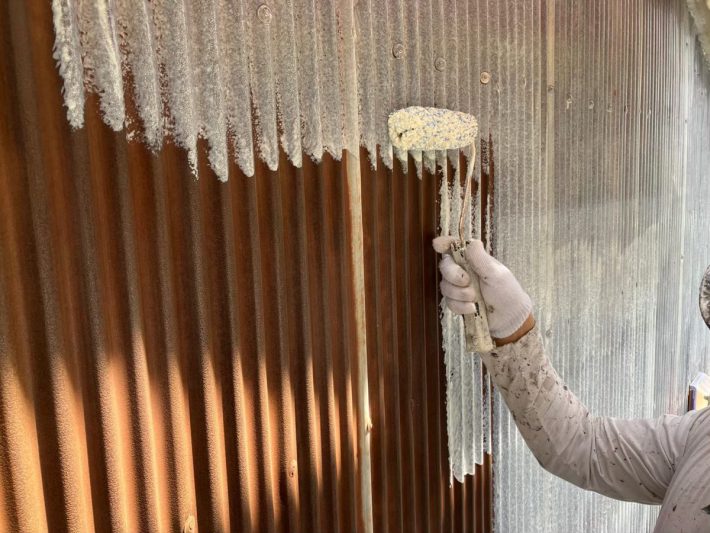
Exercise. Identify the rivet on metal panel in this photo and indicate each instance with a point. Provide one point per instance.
(440, 64)
(485, 77)
(189, 526)
(293, 469)
(264, 13)
(398, 50)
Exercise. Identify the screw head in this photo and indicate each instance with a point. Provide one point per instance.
(398, 50)
(264, 13)
(485, 77)
(440, 64)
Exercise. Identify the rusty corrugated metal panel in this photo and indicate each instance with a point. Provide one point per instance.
(173, 348)
(406, 365)
(168, 347)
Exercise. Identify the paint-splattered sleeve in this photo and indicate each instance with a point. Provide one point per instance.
(630, 460)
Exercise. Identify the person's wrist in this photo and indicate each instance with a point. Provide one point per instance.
(523, 330)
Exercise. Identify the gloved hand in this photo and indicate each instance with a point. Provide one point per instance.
(508, 305)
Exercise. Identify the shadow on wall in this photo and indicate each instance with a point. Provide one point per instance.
(172, 342)
(174, 348)
(169, 347)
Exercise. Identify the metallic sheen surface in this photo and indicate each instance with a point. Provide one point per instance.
(181, 355)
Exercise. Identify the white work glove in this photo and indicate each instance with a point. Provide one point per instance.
(508, 305)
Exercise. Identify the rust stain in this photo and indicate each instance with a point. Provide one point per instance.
(181, 355)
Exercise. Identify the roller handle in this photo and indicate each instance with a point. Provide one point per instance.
(478, 336)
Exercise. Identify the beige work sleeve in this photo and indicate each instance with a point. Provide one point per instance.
(631, 460)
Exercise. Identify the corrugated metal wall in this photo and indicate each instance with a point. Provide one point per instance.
(172, 348)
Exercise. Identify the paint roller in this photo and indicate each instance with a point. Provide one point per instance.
(430, 128)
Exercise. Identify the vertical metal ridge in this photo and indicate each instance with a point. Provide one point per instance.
(269, 324)
(109, 317)
(60, 401)
(207, 230)
(390, 256)
(416, 245)
(358, 347)
(172, 165)
(403, 355)
(22, 496)
(355, 344)
(168, 369)
(246, 444)
(286, 242)
(335, 346)
(315, 344)
(432, 346)
(311, 429)
(266, 413)
(329, 401)
(141, 338)
(378, 412)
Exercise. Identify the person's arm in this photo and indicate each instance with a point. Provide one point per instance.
(630, 460)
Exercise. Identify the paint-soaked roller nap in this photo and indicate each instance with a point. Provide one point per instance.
(430, 128)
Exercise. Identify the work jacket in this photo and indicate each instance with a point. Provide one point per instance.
(657, 461)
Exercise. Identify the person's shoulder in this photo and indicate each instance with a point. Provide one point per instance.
(697, 441)
(696, 424)
(699, 419)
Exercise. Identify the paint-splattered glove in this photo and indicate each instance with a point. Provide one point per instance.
(507, 303)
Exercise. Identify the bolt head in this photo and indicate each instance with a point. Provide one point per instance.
(264, 13)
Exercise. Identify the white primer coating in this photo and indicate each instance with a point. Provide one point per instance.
(607, 229)
(467, 420)
(67, 53)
